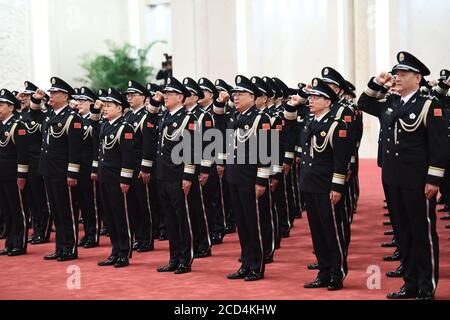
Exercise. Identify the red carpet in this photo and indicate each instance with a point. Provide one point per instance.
(30, 277)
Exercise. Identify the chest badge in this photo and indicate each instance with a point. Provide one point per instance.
(246, 127)
(412, 116)
(33, 123)
(85, 127)
(6, 133)
(135, 124)
(111, 136)
(59, 125)
(175, 125)
(323, 134)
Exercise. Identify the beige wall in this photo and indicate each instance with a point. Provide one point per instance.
(15, 44)
(203, 38)
(295, 39)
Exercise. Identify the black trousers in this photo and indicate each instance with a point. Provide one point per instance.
(66, 219)
(228, 208)
(14, 216)
(445, 187)
(87, 203)
(283, 204)
(327, 237)
(38, 205)
(179, 225)
(268, 223)
(99, 205)
(158, 220)
(248, 221)
(280, 213)
(419, 243)
(393, 219)
(221, 219)
(291, 197)
(140, 211)
(212, 201)
(299, 202)
(199, 219)
(346, 211)
(115, 208)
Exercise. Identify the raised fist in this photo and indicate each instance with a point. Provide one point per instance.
(98, 105)
(39, 94)
(383, 78)
(223, 97)
(295, 100)
(158, 96)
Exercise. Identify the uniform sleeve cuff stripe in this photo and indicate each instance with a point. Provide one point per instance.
(206, 163)
(436, 172)
(372, 93)
(126, 173)
(440, 90)
(73, 167)
(264, 173)
(277, 169)
(290, 115)
(340, 181)
(147, 163)
(189, 168)
(218, 110)
(21, 168)
(289, 155)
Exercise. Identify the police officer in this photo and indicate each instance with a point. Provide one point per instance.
(288, 168)
(280, 202)
(225, 222)
(60, 165)
(440, 91)
(175, 176)
(138, 197)
(211, 190)
(247, 176)
(324, 166)
(269, 218)
(35, 189)
(86, 188)
(154, 109)
(346, 111)
(197, 197)
(14, 164)
(413, 168)
(115, 173)
(349, 96)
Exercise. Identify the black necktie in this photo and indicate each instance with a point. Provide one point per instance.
(398, 112)
(52, 115)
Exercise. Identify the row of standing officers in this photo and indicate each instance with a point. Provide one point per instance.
(112, 159)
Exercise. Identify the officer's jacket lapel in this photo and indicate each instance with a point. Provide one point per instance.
(169, 119)
(400, 112)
